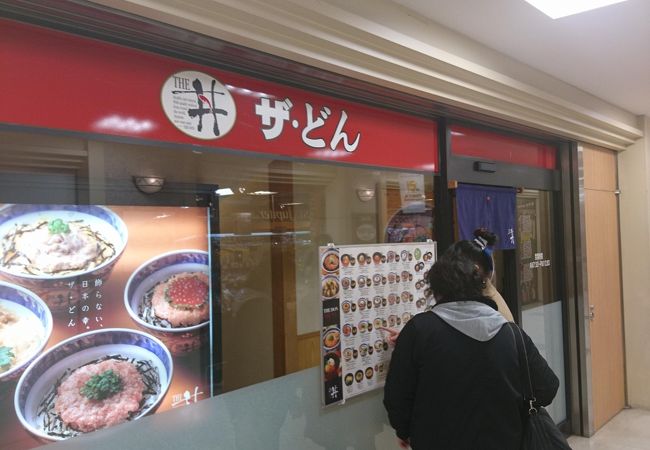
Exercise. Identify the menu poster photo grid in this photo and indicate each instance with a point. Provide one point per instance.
(364, 290)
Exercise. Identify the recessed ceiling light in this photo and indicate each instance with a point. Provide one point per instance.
(562, 8)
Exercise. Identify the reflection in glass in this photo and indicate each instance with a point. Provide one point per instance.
(542, 314)
(267, 219)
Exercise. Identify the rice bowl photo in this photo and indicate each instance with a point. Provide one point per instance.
(91, 381)
(330, 261)
(331, 337)
(330, 286)
(50, 248)
(169, 297)
(25, 328)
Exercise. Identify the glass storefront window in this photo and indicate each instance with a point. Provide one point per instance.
(261, 220)
(270, 229)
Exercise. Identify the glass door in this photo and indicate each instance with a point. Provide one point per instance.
(529, 279)
(540, 299)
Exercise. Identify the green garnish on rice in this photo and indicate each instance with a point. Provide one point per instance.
(58, 226)
(102, 386)
(6, 357)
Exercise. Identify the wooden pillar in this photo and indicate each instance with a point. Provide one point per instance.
(283, 273)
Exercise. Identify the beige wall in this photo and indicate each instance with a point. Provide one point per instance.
(634, 180)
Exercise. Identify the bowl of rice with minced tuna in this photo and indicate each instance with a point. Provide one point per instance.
(92, 381)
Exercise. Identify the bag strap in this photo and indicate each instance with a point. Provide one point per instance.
(529, 394)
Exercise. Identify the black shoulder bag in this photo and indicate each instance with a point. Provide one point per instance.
(540, 432)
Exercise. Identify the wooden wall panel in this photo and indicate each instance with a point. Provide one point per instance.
(308, 350)
(283, 272)
(604, 284)
(599, 168)
(607, 357)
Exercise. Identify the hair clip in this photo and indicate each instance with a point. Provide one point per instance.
(481, 242)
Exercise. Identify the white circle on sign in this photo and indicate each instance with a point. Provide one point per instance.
(198, 104)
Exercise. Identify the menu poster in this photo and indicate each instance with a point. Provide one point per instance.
(104, 317)
(411, 188)
(364, 289)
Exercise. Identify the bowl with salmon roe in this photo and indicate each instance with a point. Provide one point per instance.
(169, 297)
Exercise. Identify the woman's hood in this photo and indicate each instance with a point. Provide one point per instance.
(473, 319)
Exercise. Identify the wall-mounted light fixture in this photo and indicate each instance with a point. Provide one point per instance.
(149, 185)
(365, 194)
(223, 192)
(284, 205)
(262, 193)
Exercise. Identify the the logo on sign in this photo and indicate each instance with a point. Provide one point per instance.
(198, 105)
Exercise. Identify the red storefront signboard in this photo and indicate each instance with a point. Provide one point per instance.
(477, 143)
(50, 79)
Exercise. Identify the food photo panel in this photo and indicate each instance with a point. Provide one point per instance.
(104, 317)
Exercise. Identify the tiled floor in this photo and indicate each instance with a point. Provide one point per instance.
(630, 430)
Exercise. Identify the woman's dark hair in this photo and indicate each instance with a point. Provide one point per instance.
(462, 271)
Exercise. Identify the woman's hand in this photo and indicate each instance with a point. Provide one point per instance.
(393, 334)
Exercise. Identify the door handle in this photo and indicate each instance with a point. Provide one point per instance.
(592, 315)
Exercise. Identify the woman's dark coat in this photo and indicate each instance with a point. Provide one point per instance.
(455, 383)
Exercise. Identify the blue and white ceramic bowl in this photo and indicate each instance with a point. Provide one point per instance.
(61, 291)
(180, 340)
(25, 304)
(42, 374)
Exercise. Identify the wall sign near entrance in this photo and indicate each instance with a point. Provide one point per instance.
(540, 261)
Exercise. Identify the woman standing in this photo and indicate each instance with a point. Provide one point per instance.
(454, 381)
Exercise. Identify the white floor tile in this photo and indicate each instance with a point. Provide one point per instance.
(629, 430)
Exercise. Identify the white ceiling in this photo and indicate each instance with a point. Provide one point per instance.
(605, 52)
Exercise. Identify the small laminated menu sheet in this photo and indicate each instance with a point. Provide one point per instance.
(364, 289)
